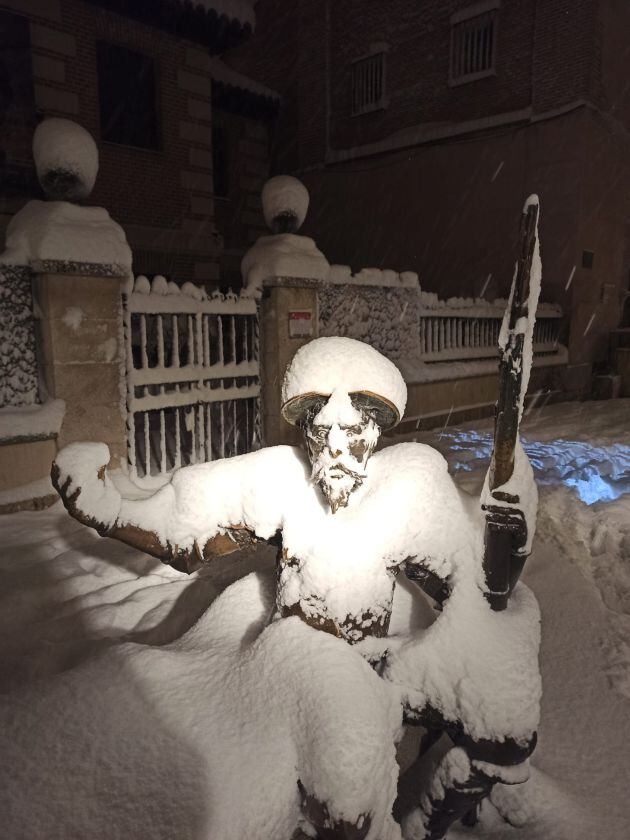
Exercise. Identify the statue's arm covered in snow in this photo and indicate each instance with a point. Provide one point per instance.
(205, 511)
(435, 523)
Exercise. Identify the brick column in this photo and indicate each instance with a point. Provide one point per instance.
(281, 296)
(81, 352)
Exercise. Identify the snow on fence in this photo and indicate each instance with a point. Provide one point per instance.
(18, 360)
(463, 330)
(193, 383)
(392, 313)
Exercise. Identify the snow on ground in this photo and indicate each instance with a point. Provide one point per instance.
(108, 733)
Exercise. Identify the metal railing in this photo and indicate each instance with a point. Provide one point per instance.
(459, 335)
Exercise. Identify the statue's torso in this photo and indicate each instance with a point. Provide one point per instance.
(337, 571)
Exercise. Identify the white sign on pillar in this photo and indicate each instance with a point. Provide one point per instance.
(300, 323)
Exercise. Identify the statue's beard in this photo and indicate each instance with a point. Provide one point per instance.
(336, 480)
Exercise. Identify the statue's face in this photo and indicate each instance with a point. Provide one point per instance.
(340, 439)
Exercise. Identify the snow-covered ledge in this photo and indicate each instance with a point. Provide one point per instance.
(28, 444)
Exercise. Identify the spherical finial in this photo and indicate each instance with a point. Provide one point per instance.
(66, 159)
(285, 202)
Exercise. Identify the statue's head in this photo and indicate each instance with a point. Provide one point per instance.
(342, 393)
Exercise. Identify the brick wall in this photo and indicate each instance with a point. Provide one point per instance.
(163, 198)
(567, 54)
(613, 30)
(548, 55)
(239, 215)
(417, 66)
(275, 59)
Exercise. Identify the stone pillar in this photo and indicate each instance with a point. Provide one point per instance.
(284, 300)
(81, 350)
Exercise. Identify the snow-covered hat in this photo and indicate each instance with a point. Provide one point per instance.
(327, 364)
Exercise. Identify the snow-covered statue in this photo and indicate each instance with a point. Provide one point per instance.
(348, 522)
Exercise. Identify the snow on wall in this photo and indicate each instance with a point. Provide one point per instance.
(282, 255)
(384, 316)
(18, 363)
(57, 231)
(31, 421)
(342, 274)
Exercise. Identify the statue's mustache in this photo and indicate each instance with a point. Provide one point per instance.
(319, 470)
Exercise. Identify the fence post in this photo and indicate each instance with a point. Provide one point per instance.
(81, 352)
(289, 319)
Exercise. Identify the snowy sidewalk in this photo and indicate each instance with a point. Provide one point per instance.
(69, 597)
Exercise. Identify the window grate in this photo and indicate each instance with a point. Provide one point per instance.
(473, 47)
(368, 84)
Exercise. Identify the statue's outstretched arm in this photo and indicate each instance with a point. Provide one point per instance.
(204, 512)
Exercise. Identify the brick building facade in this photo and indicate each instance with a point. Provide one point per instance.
(68, 58)
(421, 127)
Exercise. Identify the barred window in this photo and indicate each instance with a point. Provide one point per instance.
(473, 43)
(368, 83)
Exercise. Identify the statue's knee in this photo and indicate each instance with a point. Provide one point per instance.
(499, 761)
(328, 827)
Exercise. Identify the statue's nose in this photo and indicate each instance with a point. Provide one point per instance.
(336, 441)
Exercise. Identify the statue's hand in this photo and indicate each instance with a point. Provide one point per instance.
(79, 474)
(503, 517)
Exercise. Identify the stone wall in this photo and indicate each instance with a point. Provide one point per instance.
(18, 362)
(385, 317)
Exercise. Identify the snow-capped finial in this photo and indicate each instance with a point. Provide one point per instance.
(285, 202)
(66, 159)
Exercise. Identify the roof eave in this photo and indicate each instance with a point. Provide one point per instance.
(210, 27)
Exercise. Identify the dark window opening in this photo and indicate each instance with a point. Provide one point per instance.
(219, 159)
(127, 97)
(17, 100)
